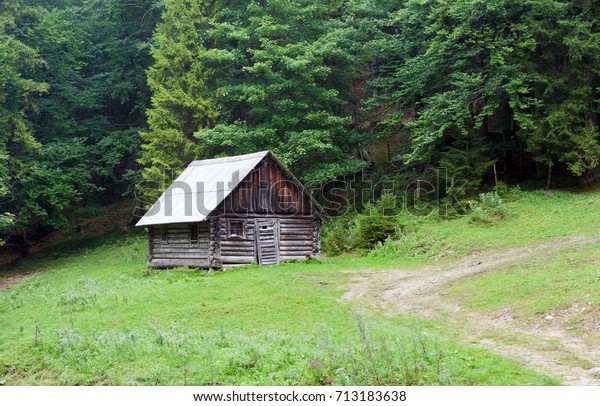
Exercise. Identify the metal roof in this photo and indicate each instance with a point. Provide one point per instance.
(203, 185)
(200, 188)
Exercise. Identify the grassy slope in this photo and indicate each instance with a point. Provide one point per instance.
(558, 284)
(533, 217)
(563, 286)
(97, 316)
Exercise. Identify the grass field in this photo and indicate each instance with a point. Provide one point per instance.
(94, 314)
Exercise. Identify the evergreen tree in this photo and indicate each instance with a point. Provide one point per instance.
(97, 56)
(288, 87)
(500, 75)
(181, 101)
(236, 77)
(18, 97)
(72, 101)
(567, 84)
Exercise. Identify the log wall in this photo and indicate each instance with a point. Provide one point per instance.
(178, 250)
(298, 238)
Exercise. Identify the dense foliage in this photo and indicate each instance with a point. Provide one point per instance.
(234, 77)
(72, 101)
(18, 146)
(486, 80)
(89, 89)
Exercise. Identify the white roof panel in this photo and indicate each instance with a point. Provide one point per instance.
(200, 188)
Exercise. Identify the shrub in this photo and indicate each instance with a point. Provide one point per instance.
(339, 236)
(490, 209)
(405, 245)
(507, 192)
(377, 223)
(413, 239)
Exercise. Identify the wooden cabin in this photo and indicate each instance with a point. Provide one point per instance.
(232, 211)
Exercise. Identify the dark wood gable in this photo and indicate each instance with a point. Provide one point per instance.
(268, 190)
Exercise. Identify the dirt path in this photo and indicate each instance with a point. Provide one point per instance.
(11, 280)
(420, 293)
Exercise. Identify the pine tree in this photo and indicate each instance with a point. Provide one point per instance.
(236, 77)
(181, 103)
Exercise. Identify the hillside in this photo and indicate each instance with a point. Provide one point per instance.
(479, 305)
(101, 98)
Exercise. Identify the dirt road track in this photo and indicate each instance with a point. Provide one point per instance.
(420, 293)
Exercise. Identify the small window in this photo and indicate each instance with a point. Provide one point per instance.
(164, 234)
(236, 229)
(194, 233)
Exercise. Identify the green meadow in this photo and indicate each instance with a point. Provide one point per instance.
(92, 313)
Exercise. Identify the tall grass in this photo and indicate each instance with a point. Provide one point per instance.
(159, 355)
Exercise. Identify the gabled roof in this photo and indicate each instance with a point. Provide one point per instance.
(203, 185)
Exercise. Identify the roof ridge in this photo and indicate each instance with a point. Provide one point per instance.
(227, 159)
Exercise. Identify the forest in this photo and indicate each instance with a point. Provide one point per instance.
(99, 96)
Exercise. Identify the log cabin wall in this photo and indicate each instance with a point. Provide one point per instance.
(172, 245)
(239, 248)
(297, 238)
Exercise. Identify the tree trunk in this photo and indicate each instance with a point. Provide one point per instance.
(507, 132)
(549, 180)
(495, 176)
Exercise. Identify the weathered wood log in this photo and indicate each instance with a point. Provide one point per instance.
(171, 263)
(174, 250)
(296, 252)
(296, 249)
(238, 252)
(285, 258)
(296, 243)
(308, 226)
(238, 259)
(180, 241)
(183, 255)
(297, 236)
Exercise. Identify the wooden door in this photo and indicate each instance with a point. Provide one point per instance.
(267, 241)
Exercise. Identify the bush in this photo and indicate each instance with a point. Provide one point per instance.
(377, 223)
(507, 192)
(339, 236)
(350, 232)
(405, 245)
(490, 209)
(413, 239)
